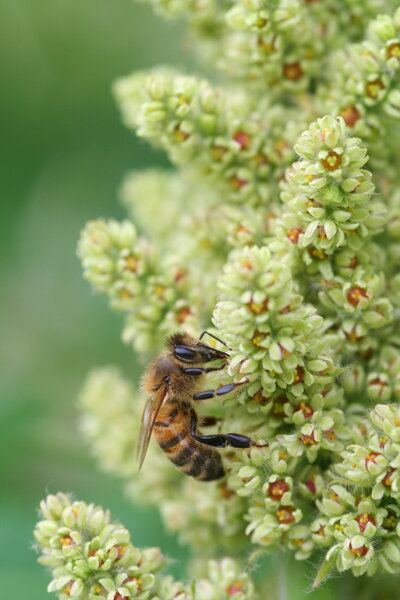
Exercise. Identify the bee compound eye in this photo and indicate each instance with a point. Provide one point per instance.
(185, 353)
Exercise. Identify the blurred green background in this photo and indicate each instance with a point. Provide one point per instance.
(63, 155)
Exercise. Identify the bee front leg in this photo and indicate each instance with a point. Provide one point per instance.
(197, 371)
(221, 440)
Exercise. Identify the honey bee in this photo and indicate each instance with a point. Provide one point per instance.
(171, 382)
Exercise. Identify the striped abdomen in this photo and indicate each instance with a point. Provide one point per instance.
(172, 431)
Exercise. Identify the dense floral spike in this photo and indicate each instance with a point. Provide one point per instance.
(205, 19)
(217, 133)
(154, 296)
(329, 190)
(113, 260)
(277, 47)
(364, 515)
(274, 336)
(305, 292)
(92, 558)
(332, 215)
(363, 90)
(111, 426)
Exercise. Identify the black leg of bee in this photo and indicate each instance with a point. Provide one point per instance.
(197, 371)
(224, 389)
(213, 336)
(208, 421)
(221, 440)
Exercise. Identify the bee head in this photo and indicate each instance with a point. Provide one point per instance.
(189, 350)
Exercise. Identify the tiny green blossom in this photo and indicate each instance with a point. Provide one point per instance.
(387, 418)
(226, 581)
(268, 526)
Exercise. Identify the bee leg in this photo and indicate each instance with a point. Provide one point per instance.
(221, 440)
(208, 421)
(205, 421)
(197, 371)
(224, 389)
(213, 336)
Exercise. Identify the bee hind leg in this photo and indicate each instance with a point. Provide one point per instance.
(221, 440)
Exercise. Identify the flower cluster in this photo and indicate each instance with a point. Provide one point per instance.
(363, 511)
(280, 231)
(329, 190)
(369, 73)
(209, 131)
(111, 427)
(365, 83)
(274, 336)
(275, 46)
(130, 272)
(332, 217)
(91, 557)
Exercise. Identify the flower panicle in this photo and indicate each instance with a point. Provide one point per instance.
(127, 269)
(210, 131)
(92, 557)
(303, 291)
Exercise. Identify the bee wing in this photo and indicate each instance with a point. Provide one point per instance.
(150, 412)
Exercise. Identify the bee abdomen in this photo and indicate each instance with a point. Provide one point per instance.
(168, 420)
(212, 467)
(172, 431)
(168, 444)
(214, 470)
(200, 463)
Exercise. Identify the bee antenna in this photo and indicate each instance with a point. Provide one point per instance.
(215, 338)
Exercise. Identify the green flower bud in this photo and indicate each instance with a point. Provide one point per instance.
(226, 579)
(356, 554)
(362, 465)
(321, 532)
(300, 541)
(378, 387)
(387, 418)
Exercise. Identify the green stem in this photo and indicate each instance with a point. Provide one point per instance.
(282, 578)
